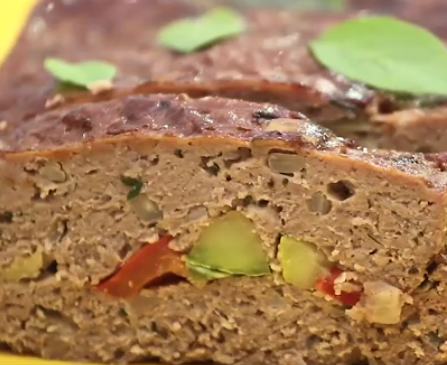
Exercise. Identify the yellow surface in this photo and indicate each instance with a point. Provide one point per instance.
(20, 360)
(13, 14)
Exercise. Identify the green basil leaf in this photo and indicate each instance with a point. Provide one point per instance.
(135, 184)
(207, 273)
(188, 35)
(135, 191)
(129, 181)
(199, 274)
(385, 53)
(82, 73)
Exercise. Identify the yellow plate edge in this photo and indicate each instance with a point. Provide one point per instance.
(13, 15)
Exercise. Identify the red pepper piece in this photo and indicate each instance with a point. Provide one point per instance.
(148, 264)
(327, 286)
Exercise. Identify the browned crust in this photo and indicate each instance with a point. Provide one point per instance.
(219, 70)
(270, 62)
(205, 120)
(294, 77)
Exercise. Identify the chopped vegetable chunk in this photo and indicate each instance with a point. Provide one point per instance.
(26, 267)
(230, 245)
(301, 262)
(327, 286)
(150, 263)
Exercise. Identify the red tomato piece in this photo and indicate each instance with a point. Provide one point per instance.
(327, 286)
(148, 264)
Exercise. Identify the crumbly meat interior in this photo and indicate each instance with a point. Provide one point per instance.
(231, 321)
(64, 202)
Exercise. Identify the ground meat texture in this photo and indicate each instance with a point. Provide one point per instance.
(177, 324)
(67, 174)
(268, 63)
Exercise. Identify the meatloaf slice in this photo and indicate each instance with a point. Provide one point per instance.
(101, 199)
(268, 63)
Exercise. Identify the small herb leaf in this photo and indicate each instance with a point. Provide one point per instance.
(199, 275)
(207, 273)
(385, 53)
(129, 181)
(135, 184)
(135, 191)
(188, 35)
(82, 73)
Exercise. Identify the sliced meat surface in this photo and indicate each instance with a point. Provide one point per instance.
(386, 209)
(70, 232)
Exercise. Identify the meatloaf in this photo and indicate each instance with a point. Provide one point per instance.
(156, 222)
(187, 230)
(268, 63)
